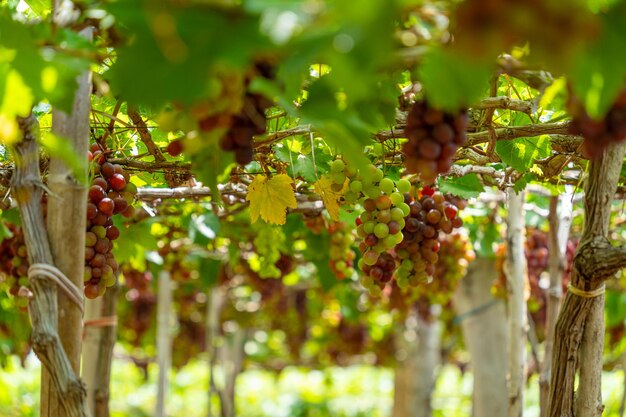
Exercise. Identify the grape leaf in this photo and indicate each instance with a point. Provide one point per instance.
(203, 228)
(270, 198)
(451, 81)
(599, 73)
(209, 269)
(467, 186)
(521, 153)
(329, 197)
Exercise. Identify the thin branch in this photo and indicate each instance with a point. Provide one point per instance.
(282, 134)
(151, 166)
(461, 170)
(504, 102)
(145, 135)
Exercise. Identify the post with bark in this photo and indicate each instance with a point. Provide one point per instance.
(43, 309)
(91, 343)
(426, 360)
(100, 337)
(558, 235)
(579, 335)
(164, 339)
(66, 223)
(516, 272)
(483, 322)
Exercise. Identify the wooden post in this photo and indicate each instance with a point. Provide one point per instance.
(43, 310)
(91, 350)
(66, 223)
(483, 321)
(580, 320)
(557, 246)
(516, 273)
(164, 341)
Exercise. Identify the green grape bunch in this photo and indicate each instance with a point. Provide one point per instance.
(341, 254)
(267, 244)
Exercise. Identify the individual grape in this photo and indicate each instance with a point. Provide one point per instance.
(387, 186)
(356, 186)
(106, 206)
(381, 230)
(175, 147)
(117, 182)
(337, 166)
(404, 186)
(370, 257)
(96, 193)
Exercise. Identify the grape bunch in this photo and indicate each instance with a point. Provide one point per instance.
(537, 260)
(14, 265)
(369, 183)
(380, 226)
(174, 254)
(267, 243)
(433, 138)
(417, 253)
(455, 254)
(110, 193)
(598, 134)
(234, 115)
(138, 317)
(338, 173)
(341, 253)
(315, 224)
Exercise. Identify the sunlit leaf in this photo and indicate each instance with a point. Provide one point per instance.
(270, 198)
(467, 186)
(521, 153)
(330, 198)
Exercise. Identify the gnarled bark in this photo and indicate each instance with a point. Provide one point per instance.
(595, 262)
(558, 236)
(27, 191)
(66, 223)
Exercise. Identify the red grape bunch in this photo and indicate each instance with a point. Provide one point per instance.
(110, 193)
(434, 137)
(598, 134)
(139, 316)
(418, 251)
(341, 253)
(315, 224)
(14, 264)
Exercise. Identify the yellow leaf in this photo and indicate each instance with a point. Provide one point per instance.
(330, 198)
(270, 198)
(9, 130)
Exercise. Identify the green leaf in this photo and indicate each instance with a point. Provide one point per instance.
(180, 65)
(521, 153)
(467, 186)
(61, 148)
(203, 228)
(209, 271)
(521, 183)
(12, 216)
(453, 81)
(40, 7)
(598, 74)
(134, 242)
(5, 233)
